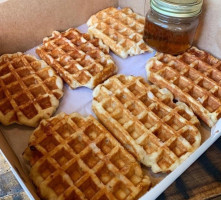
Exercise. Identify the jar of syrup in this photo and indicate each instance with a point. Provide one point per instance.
(170, 25)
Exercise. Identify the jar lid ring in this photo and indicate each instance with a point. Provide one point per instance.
(177, 8)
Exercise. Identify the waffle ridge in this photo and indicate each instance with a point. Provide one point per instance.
(193, 77)
(159, 133)
(79, 58)
(75, 157)
(122, 30)
(30, 90)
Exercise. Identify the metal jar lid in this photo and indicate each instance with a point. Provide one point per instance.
(177, 8)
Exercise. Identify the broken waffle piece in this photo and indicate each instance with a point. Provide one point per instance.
(75, 157)
(159, 133)
(121, 30)
(79, 58)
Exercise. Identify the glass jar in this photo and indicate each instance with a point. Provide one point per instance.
(170, 25)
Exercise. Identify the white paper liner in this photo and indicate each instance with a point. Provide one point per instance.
(79, 100)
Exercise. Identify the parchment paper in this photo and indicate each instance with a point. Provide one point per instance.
(79, 100)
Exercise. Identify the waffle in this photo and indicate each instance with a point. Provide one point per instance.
(79, 59)
(159, 133)
(122, 30)
(73, 157)
(29, 90)
(194, 78)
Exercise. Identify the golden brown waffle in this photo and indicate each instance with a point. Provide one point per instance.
(193, 77)
(73, 157)
(122, 30)
(79, 59)
(29, 89)
(159, 133)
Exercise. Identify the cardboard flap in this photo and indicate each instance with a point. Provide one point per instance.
(25, 23)
(208, 35)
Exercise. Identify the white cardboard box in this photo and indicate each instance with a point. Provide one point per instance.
(33, 21)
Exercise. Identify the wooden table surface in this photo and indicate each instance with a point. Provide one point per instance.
(201, 181)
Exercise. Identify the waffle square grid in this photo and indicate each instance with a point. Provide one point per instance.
(193, 77)
(79, 59)
(30, 90)
(73, 157)
(122, 30)
(159, 133)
